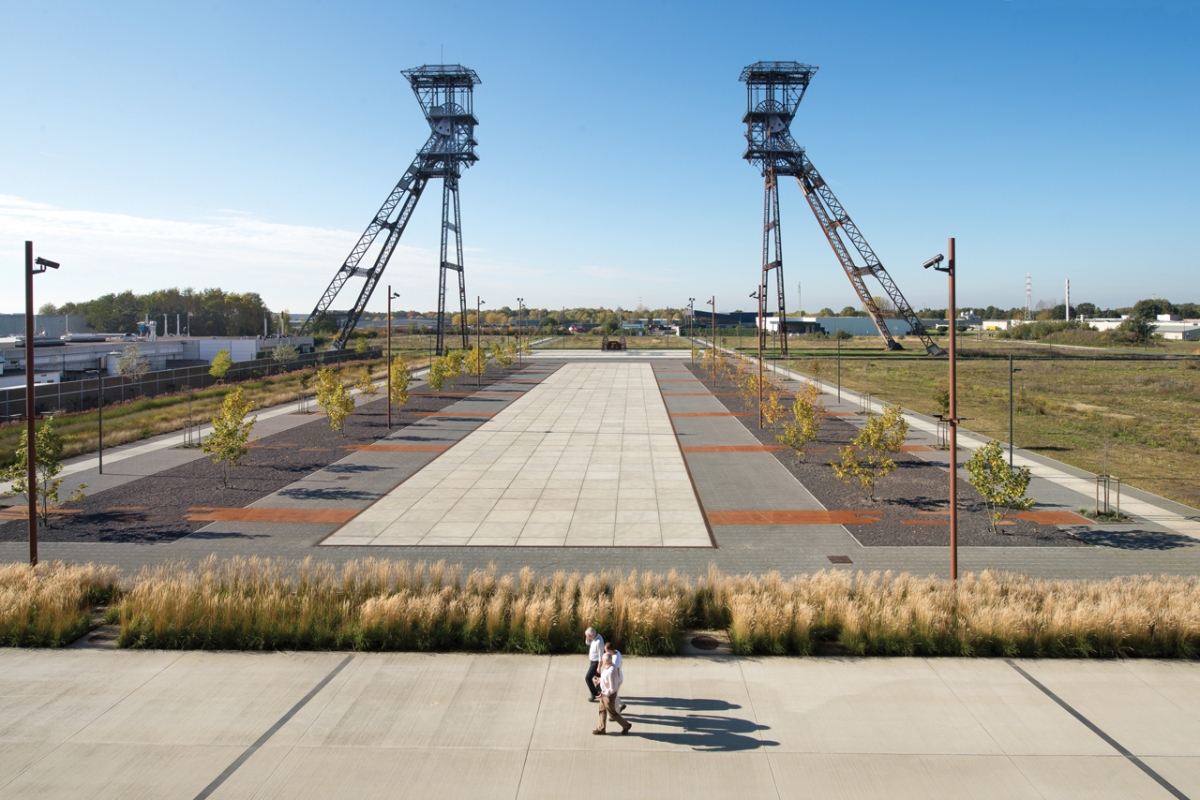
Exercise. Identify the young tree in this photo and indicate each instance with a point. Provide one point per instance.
(802, 429)
(231, 431)
(221, 365)
(49, 465)
(361, 346)
(476, 361)
(455, 364)
(333, 399)
(868, 457)
(772, 409)
(1001, 487)
(401, 380)
(132, 364)
(365, 384)
(503, 357)
(284, 354)
(438, 372)
(305, 380)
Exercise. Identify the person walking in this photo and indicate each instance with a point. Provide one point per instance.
(609, 700)
(595, 643)
(614, 656)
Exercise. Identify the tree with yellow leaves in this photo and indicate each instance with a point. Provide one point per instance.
(802, 429)
(868, 457)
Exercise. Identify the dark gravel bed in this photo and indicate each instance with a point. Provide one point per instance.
(151, 509)
(915, 486)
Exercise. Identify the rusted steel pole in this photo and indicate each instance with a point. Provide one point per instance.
(30, 408)
(953, 314)
(389, 359)
(762, 307)
(713, 303)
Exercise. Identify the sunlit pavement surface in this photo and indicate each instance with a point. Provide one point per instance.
(117, 724)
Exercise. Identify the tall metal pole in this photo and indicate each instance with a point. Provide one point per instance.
(389, 357)
(100, 410)
(30, 426)
(691, 328)
(762, 308)
(953, 418)
(520, 331)
(839, 370)
(478, 339)
(713, 334)
(1010, 411)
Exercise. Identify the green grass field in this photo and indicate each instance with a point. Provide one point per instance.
(1098, 410)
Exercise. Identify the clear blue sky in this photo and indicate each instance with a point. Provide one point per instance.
(246, 146)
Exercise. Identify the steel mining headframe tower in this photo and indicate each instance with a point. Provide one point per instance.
(774, 90)
(446, 95)
(773, 93)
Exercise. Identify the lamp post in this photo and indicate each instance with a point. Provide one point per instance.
(520, 331)
(952, 416)
(390, 294)
(712, 335)
(31, 269)
(691, 328)
(758, 295)
(99, 370)
(1010, 409)
(839, 370)
(478, 339)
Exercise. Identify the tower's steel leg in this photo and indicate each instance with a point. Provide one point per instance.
(451, 224)
(772, 256)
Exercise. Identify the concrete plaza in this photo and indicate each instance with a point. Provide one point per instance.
(105, 724)
(587, 458)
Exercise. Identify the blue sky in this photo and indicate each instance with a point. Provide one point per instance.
(246, 146)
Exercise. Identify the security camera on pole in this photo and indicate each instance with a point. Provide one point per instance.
(31, 269)
(952, 417)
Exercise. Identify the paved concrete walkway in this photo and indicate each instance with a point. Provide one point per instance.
(587, 458)
(103, 724)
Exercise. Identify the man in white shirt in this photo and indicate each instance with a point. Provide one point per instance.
(595, 643)
(608, 699)
(614, 655)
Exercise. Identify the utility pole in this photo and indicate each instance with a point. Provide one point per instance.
(389, 354)
(478, 339)
(953, 416)
(30, 404)
(520, 331)
(759, 294)
(691, 328)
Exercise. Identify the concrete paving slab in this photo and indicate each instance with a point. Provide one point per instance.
(899, 777)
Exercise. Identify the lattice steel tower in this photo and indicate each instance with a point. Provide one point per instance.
(446, 94)
(774, 90)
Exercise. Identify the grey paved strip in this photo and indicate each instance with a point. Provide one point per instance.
(252, 749)
(1111, 742)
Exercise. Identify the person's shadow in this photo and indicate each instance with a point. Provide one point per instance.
(700, 728)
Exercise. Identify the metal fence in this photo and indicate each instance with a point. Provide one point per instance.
(70, 396)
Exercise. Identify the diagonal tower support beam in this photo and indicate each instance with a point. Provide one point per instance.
(832, 218)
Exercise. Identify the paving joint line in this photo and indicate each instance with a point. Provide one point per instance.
(1091, 726)
(252, 749)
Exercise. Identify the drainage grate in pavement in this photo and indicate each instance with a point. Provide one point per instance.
(705, 643)
(839, 559)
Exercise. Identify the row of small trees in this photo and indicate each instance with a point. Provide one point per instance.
(870, 456)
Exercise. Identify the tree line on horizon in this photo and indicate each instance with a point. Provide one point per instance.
(215, 312)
